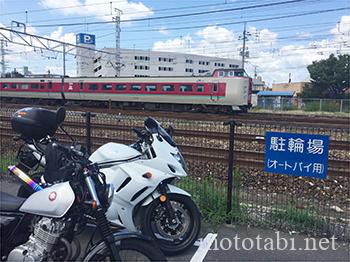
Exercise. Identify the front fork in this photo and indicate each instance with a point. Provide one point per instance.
(102, 221)
(164, 200)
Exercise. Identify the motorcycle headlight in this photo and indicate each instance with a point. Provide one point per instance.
(178, 156)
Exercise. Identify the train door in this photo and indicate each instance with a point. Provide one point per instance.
(214, 95)
(81, 89)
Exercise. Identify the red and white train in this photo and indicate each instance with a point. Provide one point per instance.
(224, 91)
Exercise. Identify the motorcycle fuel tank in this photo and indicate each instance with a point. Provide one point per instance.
(53, 201)
(113, 152)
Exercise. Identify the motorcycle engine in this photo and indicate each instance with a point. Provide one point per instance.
(47, 232)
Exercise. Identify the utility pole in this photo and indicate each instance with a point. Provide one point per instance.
(3, 63)
(244, 37)
(117, 41)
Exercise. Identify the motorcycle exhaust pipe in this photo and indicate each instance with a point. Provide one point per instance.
(25, 178)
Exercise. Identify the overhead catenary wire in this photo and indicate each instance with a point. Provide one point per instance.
(174, 16)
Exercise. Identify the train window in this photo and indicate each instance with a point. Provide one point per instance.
(215, 87)
(200, 88)
(151, 88)
(14, 86)
(81, 85)
(5, 86)
(106, 86)
(185, 88)
(93, 86)
(120, 87)
(50, 85)
(221, 73)
(34, 86)
(135, 87)
(24, 86)
(168, 88)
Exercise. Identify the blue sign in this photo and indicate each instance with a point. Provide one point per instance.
(296, 154)
(85, 39)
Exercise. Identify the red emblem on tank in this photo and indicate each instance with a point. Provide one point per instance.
(52, 196)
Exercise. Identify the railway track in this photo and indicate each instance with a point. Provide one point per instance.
(121, 133)
(292, 120)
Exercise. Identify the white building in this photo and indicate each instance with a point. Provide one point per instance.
(141, 63)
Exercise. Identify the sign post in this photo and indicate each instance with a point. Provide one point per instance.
(296, 154)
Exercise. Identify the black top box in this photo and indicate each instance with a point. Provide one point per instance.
(34, 123)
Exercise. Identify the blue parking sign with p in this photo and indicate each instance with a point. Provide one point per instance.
(296, 154)
(85, 39)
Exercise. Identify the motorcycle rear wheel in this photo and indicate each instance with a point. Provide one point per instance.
(130, 250)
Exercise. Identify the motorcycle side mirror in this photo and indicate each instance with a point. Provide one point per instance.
(60, 115)
(170, 130)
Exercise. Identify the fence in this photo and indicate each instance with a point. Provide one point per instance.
(303, 104)
(231, 187)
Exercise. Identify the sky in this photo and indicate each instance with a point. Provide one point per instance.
(282, 38)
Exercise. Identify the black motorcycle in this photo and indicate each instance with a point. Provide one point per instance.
(46, 226)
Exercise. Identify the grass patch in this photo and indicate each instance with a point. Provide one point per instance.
(300, 218)
(210, 196)
(5, 162)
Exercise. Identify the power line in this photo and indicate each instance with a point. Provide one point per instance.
(178, 15)
(246, 21)
(58, 8)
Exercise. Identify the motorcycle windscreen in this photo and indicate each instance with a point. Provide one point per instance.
(52, 201)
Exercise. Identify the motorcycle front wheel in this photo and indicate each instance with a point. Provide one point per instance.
(172, 236)
(130, 250)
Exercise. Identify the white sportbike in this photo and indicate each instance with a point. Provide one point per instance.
(145, 198)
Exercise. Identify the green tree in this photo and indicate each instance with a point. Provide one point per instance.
(329, 78)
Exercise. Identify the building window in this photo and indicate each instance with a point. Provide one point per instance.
(34, 86)
(164, 68)
(141, 67)
(202, 71)
(145, 58)
(168, 88)
(13, 86)
(150, 88)
(97, 68)
(203, 63)
(207, 63)
(141, 75)
(189, 61)
(200, 88)
(106, 86)
(185, 88)
(189, 70)
(233, 66)
(93, 86)
(120, 87)
(135, 87)
(165, 59)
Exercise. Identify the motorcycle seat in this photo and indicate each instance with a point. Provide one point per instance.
(9, 202)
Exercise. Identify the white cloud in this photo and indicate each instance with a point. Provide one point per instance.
(341, 31)
(60, 36)
(274, 60)
(102, 10)
(163, 31)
